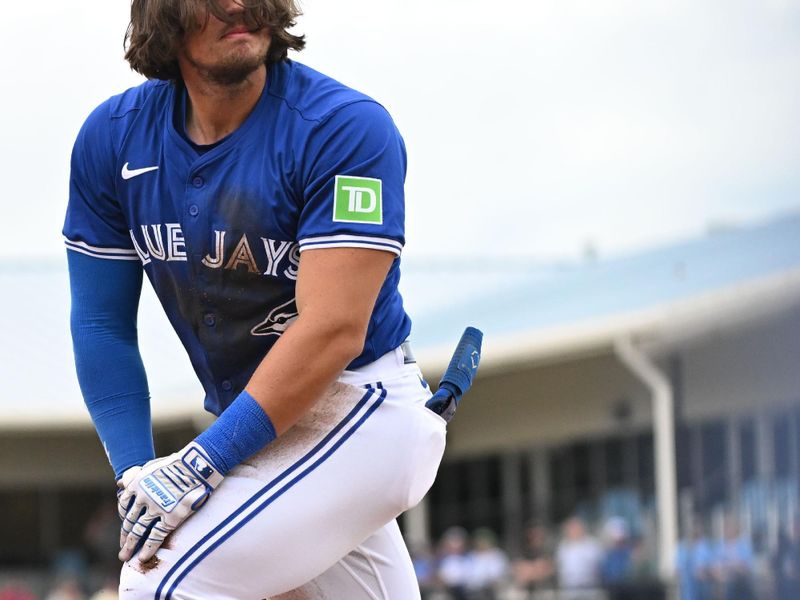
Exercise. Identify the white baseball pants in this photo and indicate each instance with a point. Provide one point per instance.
(315, 509)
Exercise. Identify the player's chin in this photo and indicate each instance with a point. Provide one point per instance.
(236, 68)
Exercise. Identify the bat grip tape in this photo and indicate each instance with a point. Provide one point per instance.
(461, 370)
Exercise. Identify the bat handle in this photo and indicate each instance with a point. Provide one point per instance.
(458, 376)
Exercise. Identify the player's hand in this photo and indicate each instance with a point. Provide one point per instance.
(157, 497)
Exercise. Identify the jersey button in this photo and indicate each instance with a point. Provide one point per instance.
(209, 319)
(227, 386)
(193, 210)
(197, 181)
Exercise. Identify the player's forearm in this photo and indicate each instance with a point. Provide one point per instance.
(295, 373)
(307, 359)
(336, 294)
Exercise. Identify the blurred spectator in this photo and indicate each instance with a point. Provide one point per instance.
(578, 559)
(424, 568)
(617, 565)
(107, 592)
(787, 562)
(16, 591)
(695, 563)
(453, 569)
(644, 566)
(735, 561)
(68, 588)
(487, 566)
(102, 537)
(535, 571)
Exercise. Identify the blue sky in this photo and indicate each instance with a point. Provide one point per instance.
(535, 132)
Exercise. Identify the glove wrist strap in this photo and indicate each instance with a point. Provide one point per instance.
(197, 460)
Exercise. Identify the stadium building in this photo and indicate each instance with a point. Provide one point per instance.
(655, 387)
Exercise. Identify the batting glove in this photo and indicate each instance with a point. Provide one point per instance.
(153, 500)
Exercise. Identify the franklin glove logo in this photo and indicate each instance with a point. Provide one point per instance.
(157, 491)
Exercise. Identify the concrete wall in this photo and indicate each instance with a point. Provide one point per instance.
(749, 370)
(546, 405)
(752, 369)
(744, 371)
(71, 459)
(38, 460)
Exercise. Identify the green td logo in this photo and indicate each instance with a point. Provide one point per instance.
(358, 200)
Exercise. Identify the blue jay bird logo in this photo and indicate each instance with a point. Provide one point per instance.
(278, 320)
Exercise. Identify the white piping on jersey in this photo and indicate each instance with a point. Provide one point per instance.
(351, 241)
(329, 241)
(109, 253)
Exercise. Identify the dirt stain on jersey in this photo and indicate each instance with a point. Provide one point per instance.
(150, 564)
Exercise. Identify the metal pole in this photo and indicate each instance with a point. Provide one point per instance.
(415, 524)
(513, 525)
(664, 437)
(540, 481)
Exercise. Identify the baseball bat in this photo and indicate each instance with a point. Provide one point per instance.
(458, 377)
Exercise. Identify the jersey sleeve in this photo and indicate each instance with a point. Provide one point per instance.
(353, 182)
(95, 224)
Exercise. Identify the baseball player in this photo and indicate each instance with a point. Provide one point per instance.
(264, 202)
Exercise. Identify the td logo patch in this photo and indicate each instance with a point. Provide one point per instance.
(358, 200)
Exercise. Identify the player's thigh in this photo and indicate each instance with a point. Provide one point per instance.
(377, 569)
(273, 526)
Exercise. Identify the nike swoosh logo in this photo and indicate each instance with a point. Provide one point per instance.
(131, 173)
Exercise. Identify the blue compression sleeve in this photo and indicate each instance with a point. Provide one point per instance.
(239, 432)
(105, 299)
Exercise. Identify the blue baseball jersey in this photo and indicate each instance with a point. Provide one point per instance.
(219, 230)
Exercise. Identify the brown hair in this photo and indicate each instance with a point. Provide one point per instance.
(157, 27)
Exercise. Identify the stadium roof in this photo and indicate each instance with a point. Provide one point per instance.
(659, 297)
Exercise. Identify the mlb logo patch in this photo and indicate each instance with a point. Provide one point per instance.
(202, 467)
(199, 464)
(358, 200)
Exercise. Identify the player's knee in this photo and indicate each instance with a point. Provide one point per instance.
(136, 583)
